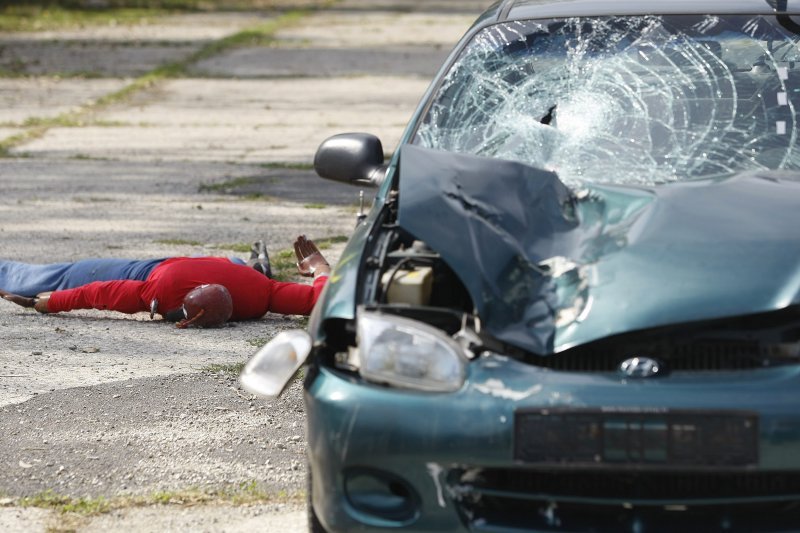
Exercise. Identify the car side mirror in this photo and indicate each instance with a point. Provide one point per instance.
(355, 158)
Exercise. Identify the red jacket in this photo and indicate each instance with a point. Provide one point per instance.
(253, 293)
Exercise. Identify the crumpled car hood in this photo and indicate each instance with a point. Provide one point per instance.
(548, 268)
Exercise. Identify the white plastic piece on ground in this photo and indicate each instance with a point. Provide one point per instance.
(268, 372)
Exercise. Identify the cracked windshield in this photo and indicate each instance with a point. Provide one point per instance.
(633, 100)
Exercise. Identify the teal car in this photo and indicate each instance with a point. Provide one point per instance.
(575, 302)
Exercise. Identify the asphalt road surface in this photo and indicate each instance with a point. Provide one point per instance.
(113, 422)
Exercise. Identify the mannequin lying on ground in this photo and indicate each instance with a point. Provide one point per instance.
(200, 291)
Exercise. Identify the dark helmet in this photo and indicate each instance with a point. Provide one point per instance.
(207, 306)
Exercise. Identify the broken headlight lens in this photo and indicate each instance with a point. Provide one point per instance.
(409, 354)
(269, 371)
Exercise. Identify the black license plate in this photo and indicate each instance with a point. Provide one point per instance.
(636, 437)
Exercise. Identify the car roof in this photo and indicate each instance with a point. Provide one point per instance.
(526, 9)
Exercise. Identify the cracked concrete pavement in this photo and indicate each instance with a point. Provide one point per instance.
(113, 408)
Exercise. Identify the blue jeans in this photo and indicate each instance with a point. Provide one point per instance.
(29, 280)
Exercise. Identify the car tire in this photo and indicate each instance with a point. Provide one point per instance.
(314, 525)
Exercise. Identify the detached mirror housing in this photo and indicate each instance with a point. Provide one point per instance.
(355, 158)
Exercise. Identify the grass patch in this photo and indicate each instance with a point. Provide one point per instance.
(14, 69)
(235, 247)
(146, 81)
(7, 144)
(66, 504)
(46, 15)
(178, 242)
(228, 185)
(248, 492)
(261, 35)
(258, 342)
(167, 5)
(63, 121)
(86, 157)
(18, 69)
(326, 242)
(315, 206)
(243, 493)
(288, 166)
(37, 127)
(91, 200)
(233, 369)
(284, 265)
(42, 16)
(257, 196)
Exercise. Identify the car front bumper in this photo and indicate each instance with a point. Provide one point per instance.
(463, 461)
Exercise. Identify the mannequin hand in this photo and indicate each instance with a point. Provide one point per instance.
(309, 259)
(40, 304)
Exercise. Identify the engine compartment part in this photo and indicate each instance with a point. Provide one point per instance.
(408, 286)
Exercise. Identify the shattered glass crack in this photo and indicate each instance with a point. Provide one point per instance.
(625, 100)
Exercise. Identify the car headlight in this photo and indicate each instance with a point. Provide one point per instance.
(269, 371)
(410, 354)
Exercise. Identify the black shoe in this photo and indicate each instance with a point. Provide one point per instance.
(259, 259)
(256, 249)
(264, 269)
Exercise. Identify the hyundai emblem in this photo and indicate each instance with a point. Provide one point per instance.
(640, 367)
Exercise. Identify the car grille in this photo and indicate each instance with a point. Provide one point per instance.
(740, 343)
(613, 500)
(678, 357)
